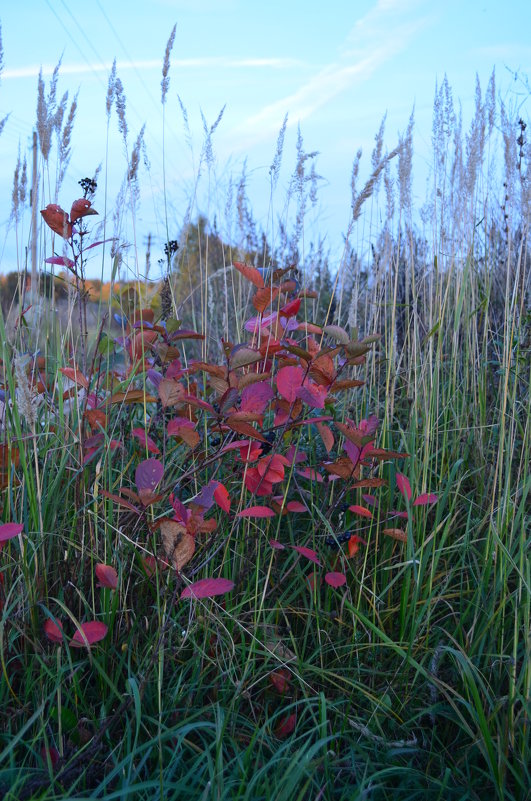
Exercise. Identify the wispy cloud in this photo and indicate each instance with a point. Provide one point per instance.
(375, 39)
(32, 71)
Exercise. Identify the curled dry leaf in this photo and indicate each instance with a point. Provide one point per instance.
(179, 546)
(396, 534)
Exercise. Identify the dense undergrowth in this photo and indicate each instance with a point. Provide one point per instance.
(269, 538)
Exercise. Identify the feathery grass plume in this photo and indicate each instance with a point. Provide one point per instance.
(186, 124)
(20, 184)
(148, 255)
(48, 113)
(405, 166)
(376, 155)
(274, 169)
(26, 400)
(119, 97)
(368, 189)
(298, 182)
(389, 186)
(111, 89)
(165, 83)
(246, 223)
(134, 162)
(354, 175)
(490, 103)
(65, 143)
(475, 142)
(510, 159)
(5, 119)
(208, 152)
(166, 300)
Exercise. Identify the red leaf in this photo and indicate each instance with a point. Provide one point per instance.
(251, 273)
(57, 219)
(53, 631)
(122, 501)
(276, 545)
(403, 485)
(289, 380)
(312, 394)
(256, 397)
(360, 510)
(64, 261)
(311, 474)
(145, 440)
(52, 753)
(335, 579)
(10, 530)
(286, 726)
(280, 680)
(291, 309)
(296, 506)
(75, 375)
(222, 497)
(207, 588)
(425, 499)
(256, 511)
(107, 576)
(307, 552)
(94, 631)
(81, 208)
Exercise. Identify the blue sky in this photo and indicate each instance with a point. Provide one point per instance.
(334, 67)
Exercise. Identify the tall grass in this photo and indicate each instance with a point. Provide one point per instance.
(413, 683)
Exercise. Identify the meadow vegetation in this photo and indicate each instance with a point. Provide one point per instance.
(264, 522)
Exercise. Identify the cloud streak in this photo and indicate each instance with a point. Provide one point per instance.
(32, 71)
(374, 40)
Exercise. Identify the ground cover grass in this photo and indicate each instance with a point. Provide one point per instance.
(387, 657)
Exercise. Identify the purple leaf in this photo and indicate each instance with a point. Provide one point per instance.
(207, 588)
(148, 474)
(277, 545)
(10, 530)
(64, 261)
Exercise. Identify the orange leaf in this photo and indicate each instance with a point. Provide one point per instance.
(251, 273)
(264, 297)
(57, 219)
(75, 375)
(396, 534)
(132, 396)
(81, 208)
(171, 392)
(326, 436)
(244, 428)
